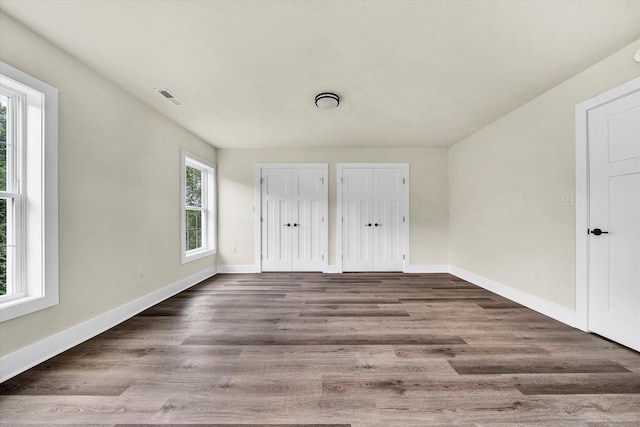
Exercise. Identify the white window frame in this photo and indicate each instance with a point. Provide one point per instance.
(209, 195)
(34, 127)
(16, 109)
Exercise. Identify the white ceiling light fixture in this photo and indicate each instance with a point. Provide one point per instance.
(637, 56)
(326, 100)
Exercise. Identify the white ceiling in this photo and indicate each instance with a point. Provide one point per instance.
(409, 73)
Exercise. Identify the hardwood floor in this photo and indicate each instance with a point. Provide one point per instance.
(333, 350)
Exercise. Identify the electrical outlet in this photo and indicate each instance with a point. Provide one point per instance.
(537, 272)
(567, 200)
(140, 271)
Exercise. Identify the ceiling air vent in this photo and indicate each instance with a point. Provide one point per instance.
(169, 96)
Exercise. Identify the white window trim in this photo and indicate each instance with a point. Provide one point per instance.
(41, 219)
(209, 200)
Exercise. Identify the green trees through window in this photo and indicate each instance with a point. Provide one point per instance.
(194, 207)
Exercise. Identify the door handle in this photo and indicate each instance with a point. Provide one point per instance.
(286, 225)
(296, 224)
(368, 225)
(597, 232)
(377, 225)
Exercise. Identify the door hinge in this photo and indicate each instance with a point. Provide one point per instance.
(323, 257)
(341, 181)
(404, 219)
(261, 180)
(322, 219)
(260, 219)
(404, 256)
(404, 181)
(322, 180)
(342, 219)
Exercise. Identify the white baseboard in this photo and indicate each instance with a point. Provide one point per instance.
(19, 361)
(427, 268)
(238, 269)
(254, 269)
(548, 308)
(331, 269)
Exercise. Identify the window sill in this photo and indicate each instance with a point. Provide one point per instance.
(25, 305)
(192, 256)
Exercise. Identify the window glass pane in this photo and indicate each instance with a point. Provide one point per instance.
(3, 143)
(3, 246)
(194, 229)
(193, 187)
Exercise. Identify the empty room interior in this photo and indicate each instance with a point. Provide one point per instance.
(320, 213)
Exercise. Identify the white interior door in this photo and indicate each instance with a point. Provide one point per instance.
(388, 208)
(293, 214)
(357, 220)
(276, 219)
(308, 219)
(614, 220)
(373, 218)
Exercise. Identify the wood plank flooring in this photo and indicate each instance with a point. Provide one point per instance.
(306, 349)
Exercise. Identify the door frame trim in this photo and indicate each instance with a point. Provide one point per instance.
(582, 193)
(258, 207)
(405, 229)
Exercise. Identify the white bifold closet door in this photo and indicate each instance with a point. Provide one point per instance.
(373, 219)
(293, 216)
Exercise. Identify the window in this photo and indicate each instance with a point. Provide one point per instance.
(28, 194)
(10, 199)
(198, 207)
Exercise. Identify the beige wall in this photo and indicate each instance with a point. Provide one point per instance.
(506, 221)
(118, 192)
(428, 194)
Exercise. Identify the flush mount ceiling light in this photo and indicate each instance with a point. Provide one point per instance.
(637, 56)
(327, 100)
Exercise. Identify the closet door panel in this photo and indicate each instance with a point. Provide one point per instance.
(388, 200)
(276, 214)
(307, 214)
(357, 220)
